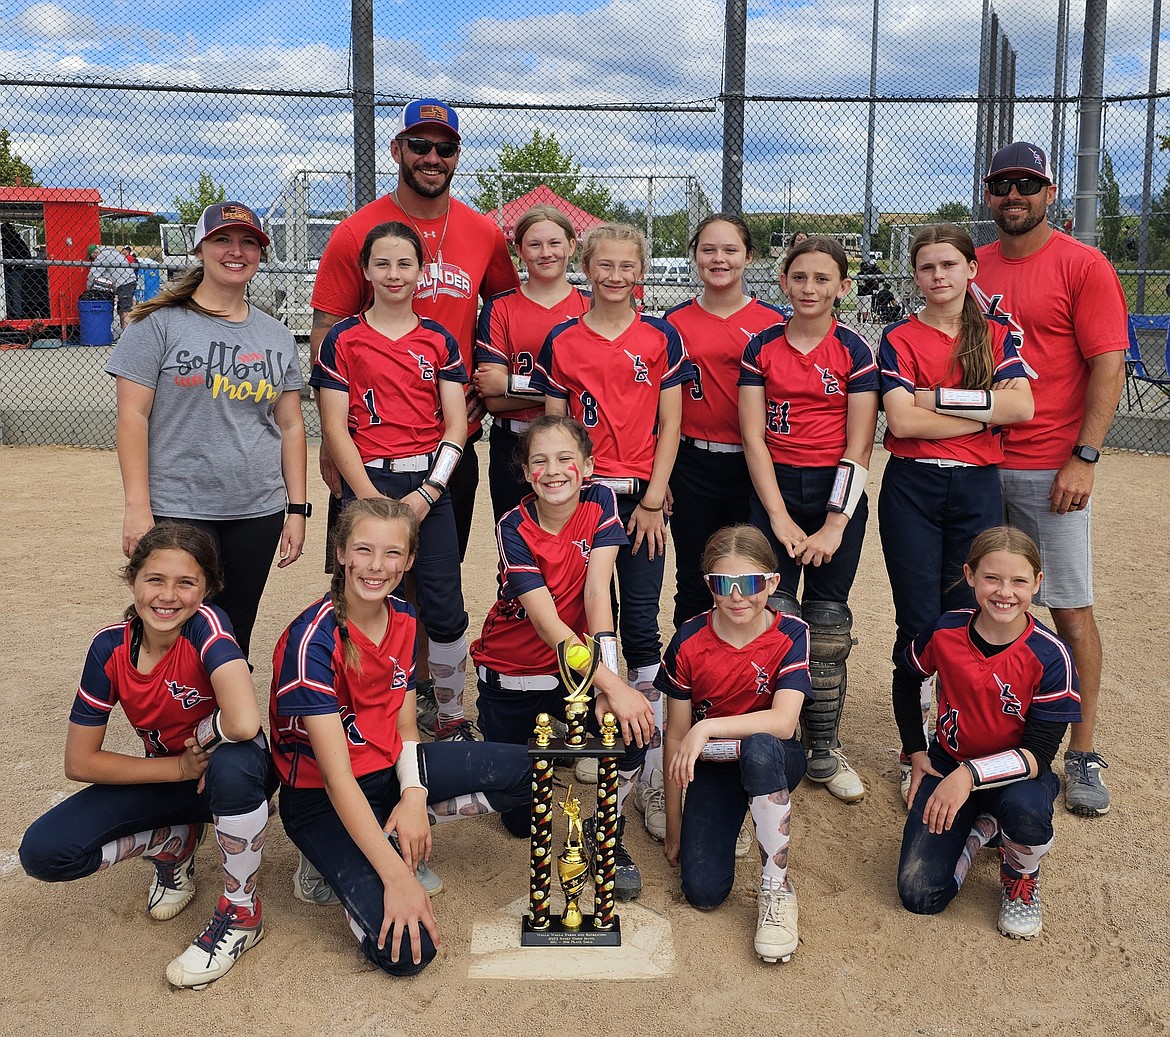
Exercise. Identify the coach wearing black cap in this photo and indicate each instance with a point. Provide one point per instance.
(1066, 303)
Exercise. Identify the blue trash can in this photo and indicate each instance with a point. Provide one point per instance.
(149, 280)
(96, 317)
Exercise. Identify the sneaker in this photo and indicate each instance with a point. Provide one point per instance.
(905, 774)
(427, 707)
(310, 887)
(746, 838)
(586, 770)
(1085, 793)
(456, 731)
(1019, 907)
(429, 880)
(173, 887)
(231, 931)
(627, 880)
(844, 782)
(776, 930)
(651, 800)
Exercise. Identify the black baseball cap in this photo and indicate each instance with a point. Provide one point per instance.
(1019, 159)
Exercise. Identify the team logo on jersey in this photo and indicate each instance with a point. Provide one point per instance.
(699, 712)
(440, 278)
(641, 371)
(584, 547)
(948, 725)
(186, 697)
(829, 381)
(352, 732)
(747, 334)
(398, 681)
(1012, 706)
(761, 680)
(992, 306)
(425, 368)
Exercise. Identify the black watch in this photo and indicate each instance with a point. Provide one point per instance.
(1088, 454)
(300, 509)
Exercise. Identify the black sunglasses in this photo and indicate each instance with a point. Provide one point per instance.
(1026, 185)
(422, 146)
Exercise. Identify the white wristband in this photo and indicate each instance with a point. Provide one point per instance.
(989, 772)
(407, 768)
(848, 486)
(974, 404)
(720, 750)
(520, 388)
(209, 732)
(609, 648)
(443, 467)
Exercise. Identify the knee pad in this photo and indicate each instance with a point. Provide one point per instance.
(830, 625)
(785, 603)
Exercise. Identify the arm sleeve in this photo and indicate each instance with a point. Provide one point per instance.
(1042, 739)
(669, 680)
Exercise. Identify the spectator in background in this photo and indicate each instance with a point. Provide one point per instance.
(109, 271)
(869, 281)
(13, 246)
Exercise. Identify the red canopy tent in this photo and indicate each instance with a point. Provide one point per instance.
(581, 220)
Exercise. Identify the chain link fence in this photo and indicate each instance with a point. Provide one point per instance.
(118, 124)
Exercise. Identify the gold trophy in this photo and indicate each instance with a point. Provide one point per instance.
(572, 864)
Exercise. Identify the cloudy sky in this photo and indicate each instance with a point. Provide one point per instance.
(148, 146)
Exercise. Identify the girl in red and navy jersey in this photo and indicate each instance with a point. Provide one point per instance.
(949, 378)
(808, 413)
(710, 477)
(390, 389)
(736, 678)
(184, 685)
(512, 327)
(347, 750)
(557, 554)
(1007, 690)
(621, 374)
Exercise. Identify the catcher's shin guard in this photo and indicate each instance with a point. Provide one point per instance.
(830, 628)
(785, 603)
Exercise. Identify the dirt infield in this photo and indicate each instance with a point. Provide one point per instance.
(86, 955)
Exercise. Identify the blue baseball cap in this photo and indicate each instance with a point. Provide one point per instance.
(428, 112)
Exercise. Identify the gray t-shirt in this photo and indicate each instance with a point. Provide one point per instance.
(214, 443)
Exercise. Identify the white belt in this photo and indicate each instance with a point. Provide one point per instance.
(517, 428)
(714, 448)
(622, 487)
(417, 463)
(943, 462)
(534, 682)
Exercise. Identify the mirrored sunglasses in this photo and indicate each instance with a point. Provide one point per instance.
(422, 146)
(746, 583)
(1026, 185)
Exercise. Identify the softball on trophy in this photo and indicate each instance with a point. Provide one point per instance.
(578, 656)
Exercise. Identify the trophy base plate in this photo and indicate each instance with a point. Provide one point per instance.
(556, 935)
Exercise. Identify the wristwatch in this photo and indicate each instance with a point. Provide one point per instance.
(300, 509)
(1088, 454)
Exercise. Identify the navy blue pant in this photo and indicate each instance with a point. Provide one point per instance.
(806, 494)
(714, 807)
(501, 772)
(461, 489)
(245, 548)
(927, 518)
(926, 869)
(710, 491)
(437, 583)
(505, 478)
(66, 843)
(510, 716)
(639, 580)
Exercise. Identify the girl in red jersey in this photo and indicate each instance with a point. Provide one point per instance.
(620, 373)
(949, 378)
(808, 413)
(1007, 692)
(736, 678)
(710, 474)
(184, 685)
(557, 553)
(512, 327)
(389, 385)
(346, 744)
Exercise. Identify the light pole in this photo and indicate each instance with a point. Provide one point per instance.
(867, 227)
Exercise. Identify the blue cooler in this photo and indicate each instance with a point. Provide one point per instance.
(96, 317)
(149, 280)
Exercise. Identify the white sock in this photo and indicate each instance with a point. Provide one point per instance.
(167, 844)
(469, 804)
(448, 662)
(241, 844)
(641, 679)
(925, 699)
(772, 815)
(624, 785)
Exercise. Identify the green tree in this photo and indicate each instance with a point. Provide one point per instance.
(952, 212)
(206, 192)
(13, 169)
(521, 169)
(1110, 202)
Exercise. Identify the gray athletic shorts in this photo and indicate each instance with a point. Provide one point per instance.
(1064, 540)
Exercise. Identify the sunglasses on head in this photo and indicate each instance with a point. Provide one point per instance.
(422, 146)
(746, 583)
(1026, 185)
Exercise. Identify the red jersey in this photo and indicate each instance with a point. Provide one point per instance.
(983, 701)
(512, 328)
(721, 680)
(393, 384)
(807, 395)
(532, 557)
(913, 355)
(612, 388)
(1067, 305)
(715, 347)
(310, 678)
(164, 705)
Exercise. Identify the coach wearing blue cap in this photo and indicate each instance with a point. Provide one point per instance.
(1064, 300)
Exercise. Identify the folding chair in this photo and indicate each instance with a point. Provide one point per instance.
(1135, 368)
